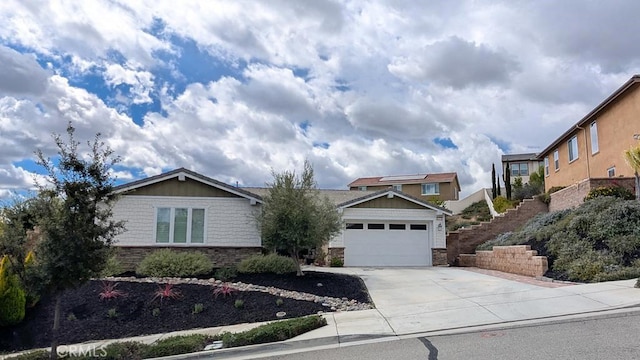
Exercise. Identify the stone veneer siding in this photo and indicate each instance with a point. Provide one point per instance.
(516, 259)
(439, 257)
(464, 241)
(131, 256)
(337, 252)
(572, 196)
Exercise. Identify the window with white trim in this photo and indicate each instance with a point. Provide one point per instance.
(431, 189)
(519, 169)
(593, 130)
(546, 166)
(397, 187)
(556, 160)
(573, 148)
(362, 188)
(611, 172)
(180, 225)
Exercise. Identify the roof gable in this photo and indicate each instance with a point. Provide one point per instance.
(391, 194)
(202, 186)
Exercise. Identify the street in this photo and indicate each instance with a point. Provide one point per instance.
(605, 337)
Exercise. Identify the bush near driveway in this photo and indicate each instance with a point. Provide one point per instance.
(169, 263)
(598, 241)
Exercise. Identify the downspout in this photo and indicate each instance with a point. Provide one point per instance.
(586, 150)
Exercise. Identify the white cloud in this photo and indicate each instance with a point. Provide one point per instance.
(20, 74)
(141, 82)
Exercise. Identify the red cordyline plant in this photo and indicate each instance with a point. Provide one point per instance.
(109, 291)
(166, 292)
(224, 290)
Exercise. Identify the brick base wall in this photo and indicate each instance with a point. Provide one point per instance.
(131, 256)
(516, 259)
(464, 241)
(572, 196)
(439, 257)
(336, 252)
(467, 260)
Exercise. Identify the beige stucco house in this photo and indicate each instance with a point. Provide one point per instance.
(521, 165)
(428, 187)
(593, 147)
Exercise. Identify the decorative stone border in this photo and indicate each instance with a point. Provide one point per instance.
(335, 304)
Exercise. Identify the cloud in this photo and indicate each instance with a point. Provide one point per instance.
(20, 74)
(457, 63)
(141, 82)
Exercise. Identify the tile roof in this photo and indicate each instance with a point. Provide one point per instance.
(335, 196)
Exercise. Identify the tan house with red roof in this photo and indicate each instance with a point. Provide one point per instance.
(442, 186)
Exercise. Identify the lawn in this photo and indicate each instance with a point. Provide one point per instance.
(85, 316)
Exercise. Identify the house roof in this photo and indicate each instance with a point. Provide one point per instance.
(406, 179)
(629, 85)
(520, 157)
(337, 197)
(390, 192)
(177, 173)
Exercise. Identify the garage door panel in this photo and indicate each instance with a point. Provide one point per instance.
(387, 247)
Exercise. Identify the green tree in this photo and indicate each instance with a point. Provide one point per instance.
(75, 216)
(494, 190)
(537, 179)
(632, 157)
(294, 216)
(507, 181)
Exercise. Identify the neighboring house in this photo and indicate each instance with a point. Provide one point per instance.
(428, 187)
(184, 210)
(521, 165)
(593, 147)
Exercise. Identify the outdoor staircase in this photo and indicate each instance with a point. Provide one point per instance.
(464, 241)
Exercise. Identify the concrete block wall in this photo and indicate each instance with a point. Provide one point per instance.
(464, 241)
(572, 196)
(517, 259)
(439, 257)
(336, 252)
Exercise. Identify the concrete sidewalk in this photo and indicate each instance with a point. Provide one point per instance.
(420, 300)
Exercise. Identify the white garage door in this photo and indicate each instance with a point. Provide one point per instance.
(387, 244)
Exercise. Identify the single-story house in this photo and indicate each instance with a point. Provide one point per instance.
(184, 210)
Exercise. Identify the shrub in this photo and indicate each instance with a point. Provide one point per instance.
(527, 191)
(112, 266)
(128, 350)
(615, 191)
(225, 273)
(176, 345)
(166, 292)
(271, 263)
(109, 291)
(12, 297)
(501, 240)
(501, 204)
(276, 331)
(279, 302)
(224, 290)
(336, 262)
(198, 308)
(168, 263)
(478, 209)
(238, 304)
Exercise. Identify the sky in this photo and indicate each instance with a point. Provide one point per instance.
(237, 90)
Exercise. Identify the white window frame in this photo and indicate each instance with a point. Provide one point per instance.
(172, 219)
(573, 157)
(556, 160)
(362, 188)
(611, 172)
(424, 189)
(397, 187)
(546, 166)
(593, 131)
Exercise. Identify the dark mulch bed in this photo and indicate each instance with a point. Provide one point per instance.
(90, 319)
(333, 285)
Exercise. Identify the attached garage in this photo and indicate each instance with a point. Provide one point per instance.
(390, 229)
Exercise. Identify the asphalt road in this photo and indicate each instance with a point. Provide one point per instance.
(605, 337)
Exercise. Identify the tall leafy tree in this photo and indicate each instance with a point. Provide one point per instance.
(76, 217)
(294, 216)
(632, 157)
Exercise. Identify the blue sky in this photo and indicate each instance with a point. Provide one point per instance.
(236, 89)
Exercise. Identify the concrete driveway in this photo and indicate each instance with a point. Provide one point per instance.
(412, 300)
